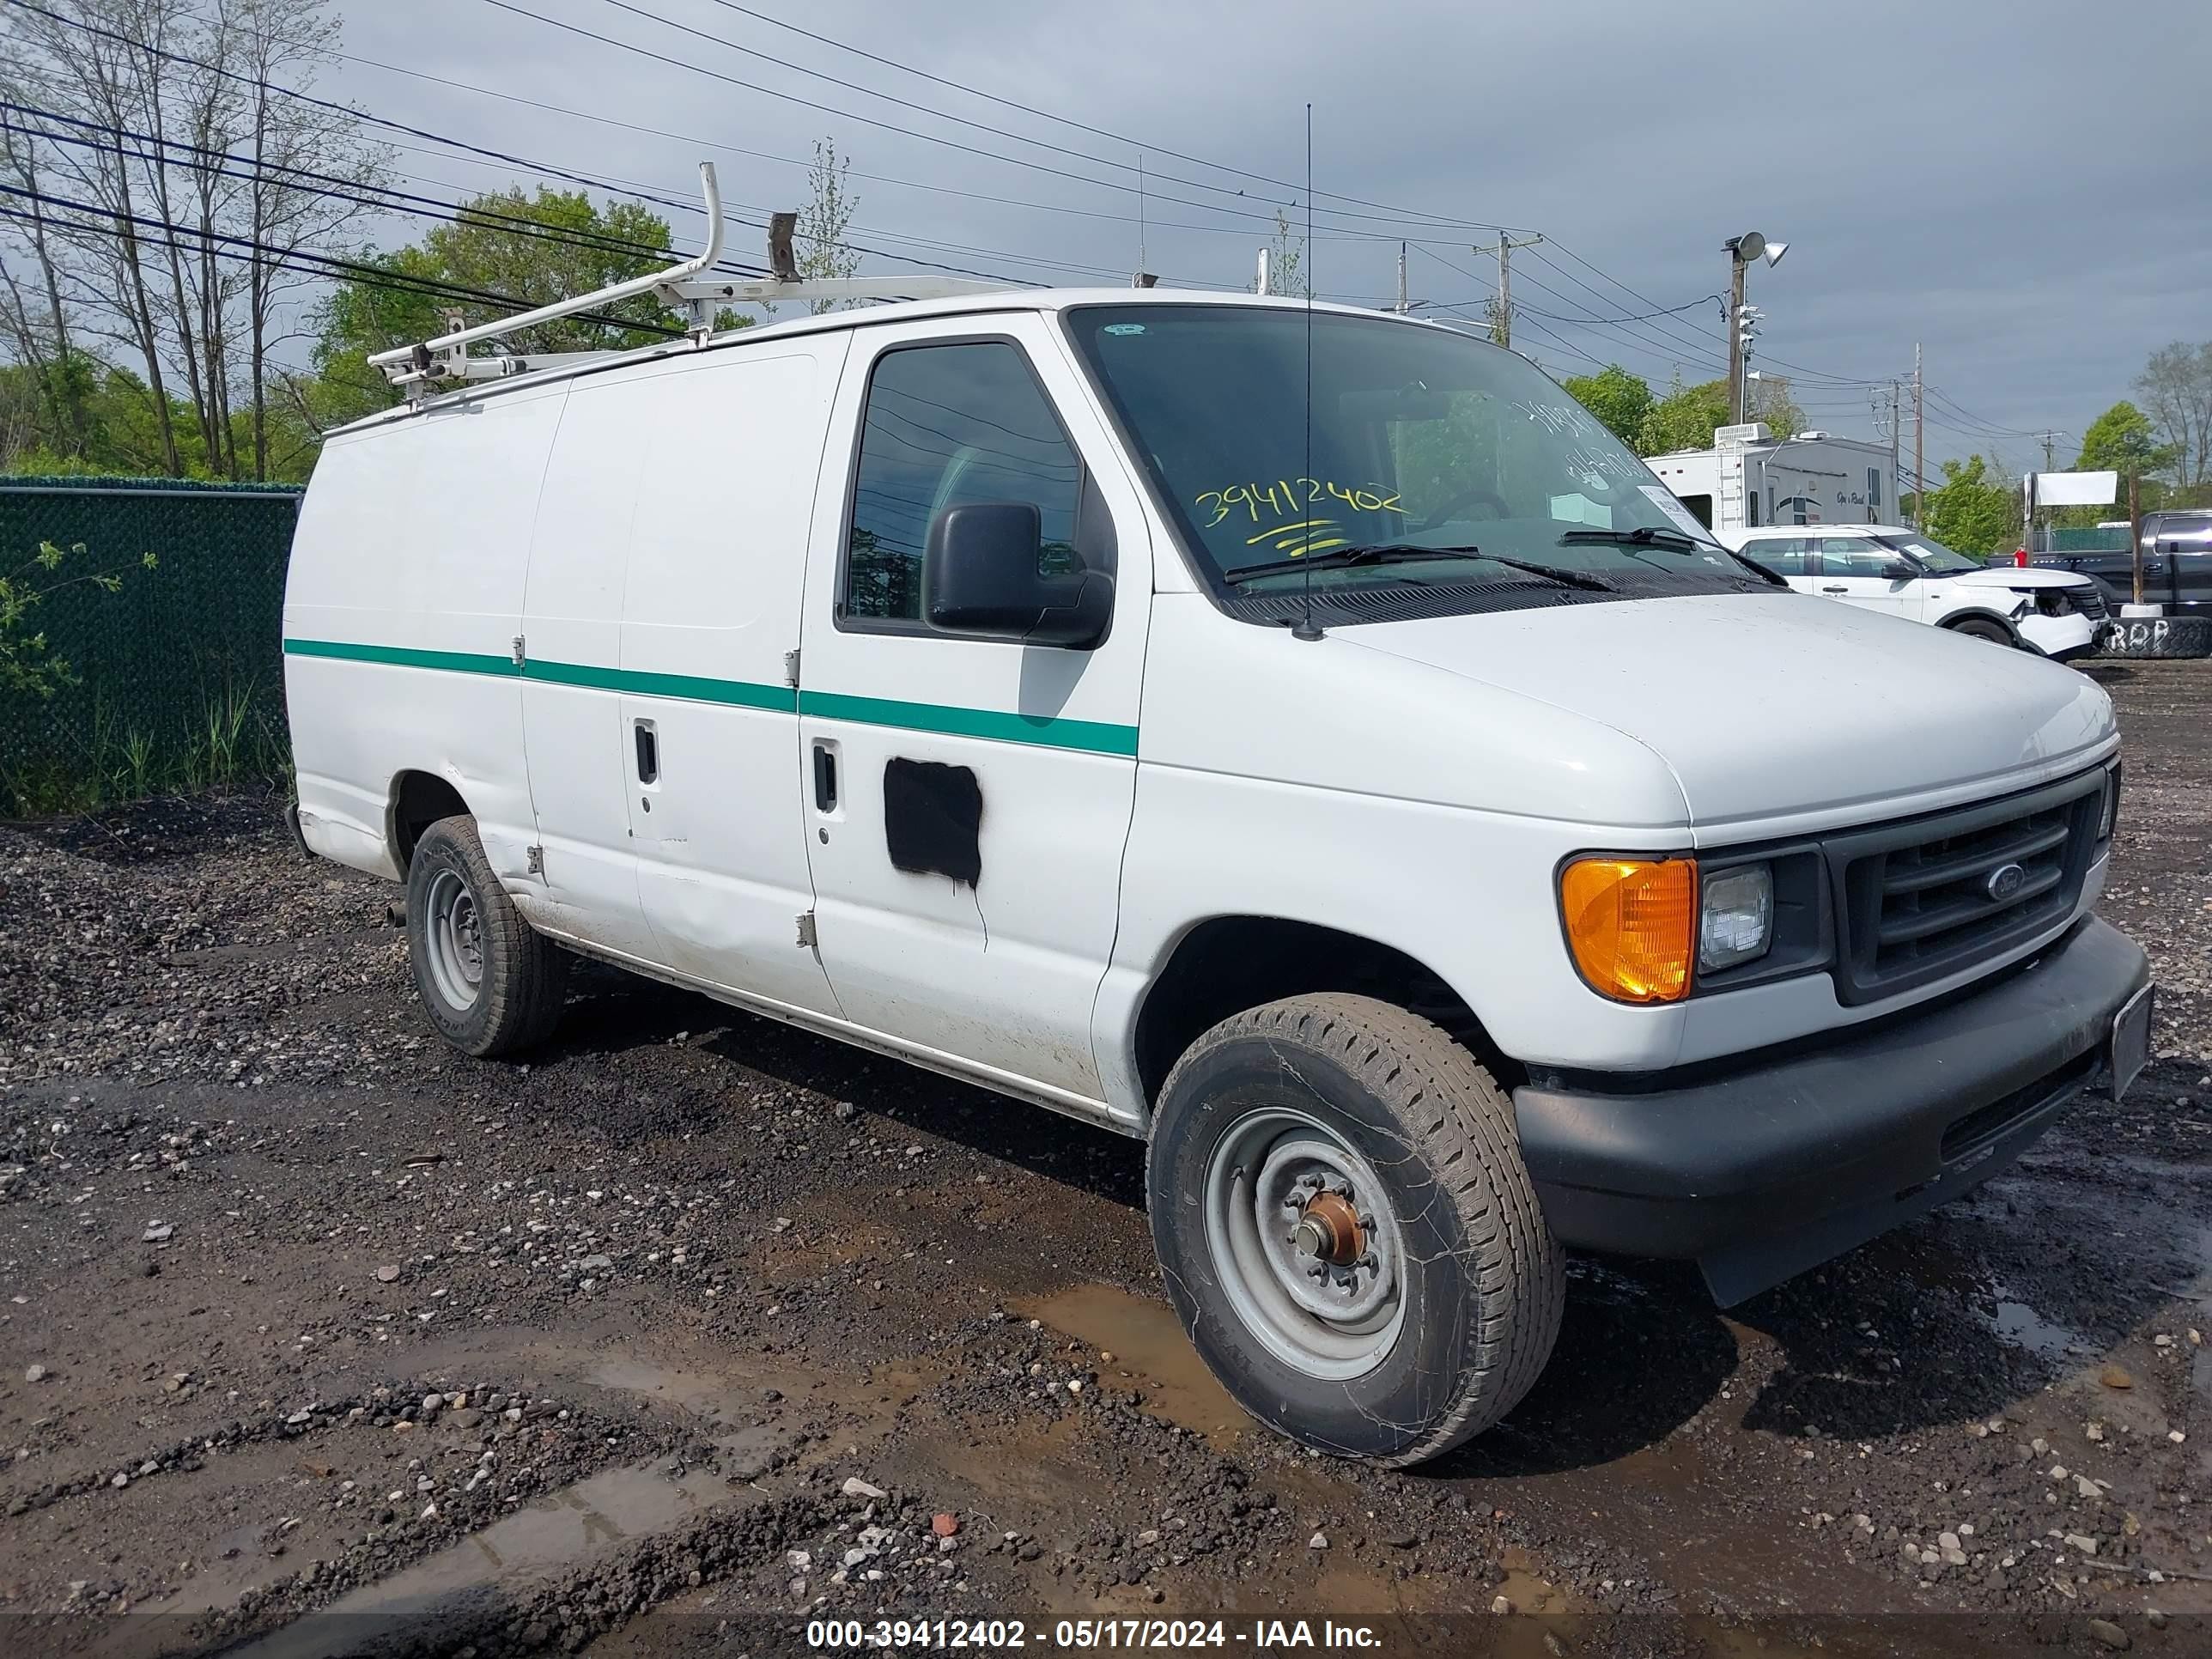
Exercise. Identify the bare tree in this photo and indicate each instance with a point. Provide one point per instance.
(2176, 387)
(171, 178)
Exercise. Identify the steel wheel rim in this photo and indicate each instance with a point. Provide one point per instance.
(453, 935)
(1334, 1323)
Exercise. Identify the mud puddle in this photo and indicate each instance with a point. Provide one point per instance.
(1151, 1351)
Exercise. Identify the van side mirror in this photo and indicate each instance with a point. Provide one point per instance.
(979, 575)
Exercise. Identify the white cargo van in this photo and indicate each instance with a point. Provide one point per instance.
(1376, 797)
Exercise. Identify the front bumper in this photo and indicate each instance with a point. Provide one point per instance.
(1762, 1171)
(2060, 638)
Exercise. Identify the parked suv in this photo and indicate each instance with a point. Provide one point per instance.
(1902, 572)
(1299, 737)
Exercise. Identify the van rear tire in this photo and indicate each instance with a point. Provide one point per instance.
(490, 983)
(1347, 1229)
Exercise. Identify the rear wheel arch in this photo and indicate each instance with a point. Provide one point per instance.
(1225, 964)
(1986, 619)
(417, 801)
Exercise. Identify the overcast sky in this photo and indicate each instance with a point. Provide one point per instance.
(2025, 186)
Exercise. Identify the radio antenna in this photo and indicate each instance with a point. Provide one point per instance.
(1305, 630)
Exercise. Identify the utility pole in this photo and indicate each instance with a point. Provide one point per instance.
(1888, 422)
(1736, 339)
(1919, 449)
(1505, 252)
(2134, 529)
(1402, 307)
(2049, 463)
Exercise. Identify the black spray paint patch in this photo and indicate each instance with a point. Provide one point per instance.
(933, 819)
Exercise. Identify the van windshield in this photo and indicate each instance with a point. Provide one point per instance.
(1420, 437)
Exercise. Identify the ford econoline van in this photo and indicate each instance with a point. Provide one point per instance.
(1296, 736)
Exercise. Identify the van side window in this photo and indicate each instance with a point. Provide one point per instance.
(947, 426)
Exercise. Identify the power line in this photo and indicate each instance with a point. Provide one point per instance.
(376, 276)
(1405, 215)
(830, 109)
(386, 122)
(380, 198)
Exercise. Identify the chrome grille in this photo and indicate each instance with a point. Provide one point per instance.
(1933, 897)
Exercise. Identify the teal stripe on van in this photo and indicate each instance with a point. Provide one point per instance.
(684, 688)
(450, 662)
(1042, 730)
(1045, 731)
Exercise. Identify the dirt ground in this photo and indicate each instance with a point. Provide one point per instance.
(314, 1337)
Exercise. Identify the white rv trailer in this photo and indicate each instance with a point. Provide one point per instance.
(1750, 478)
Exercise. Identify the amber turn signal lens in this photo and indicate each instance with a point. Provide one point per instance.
(1632, 924)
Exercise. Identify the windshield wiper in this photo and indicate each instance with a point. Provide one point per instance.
(1407, 552)
(1341, 558)
(1643, 537)
(1565, 577)
(1673, 541)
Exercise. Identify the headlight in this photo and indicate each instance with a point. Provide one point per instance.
(1735, 922)
(1630, 923)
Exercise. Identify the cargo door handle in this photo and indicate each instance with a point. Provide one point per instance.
(826, 779)
(648, 752)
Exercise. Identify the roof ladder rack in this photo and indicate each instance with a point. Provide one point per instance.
(431, 365)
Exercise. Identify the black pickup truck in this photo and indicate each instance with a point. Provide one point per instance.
(2177, 549)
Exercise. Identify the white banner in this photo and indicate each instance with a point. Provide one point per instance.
(2075, 489)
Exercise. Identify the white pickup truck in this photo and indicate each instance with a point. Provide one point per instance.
(1297, 737)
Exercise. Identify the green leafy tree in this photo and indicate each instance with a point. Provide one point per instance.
(531, 250)
(2122, 440)
(1688, 416)
(1685, 418)
(1976, 509)
(28, 666)
(820, 250)
(1286, 260)
(1619, 400)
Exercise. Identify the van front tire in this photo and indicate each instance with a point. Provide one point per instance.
(490, 984)
(1347, 1231)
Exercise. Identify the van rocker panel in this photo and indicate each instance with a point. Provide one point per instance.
(1761, 1172)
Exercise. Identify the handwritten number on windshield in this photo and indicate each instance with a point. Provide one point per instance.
(1281, 500)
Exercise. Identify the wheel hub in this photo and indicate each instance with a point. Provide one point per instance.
(1302, 1234)
(1329, 1231)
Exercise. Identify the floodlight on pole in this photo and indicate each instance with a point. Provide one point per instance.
(1744, 320)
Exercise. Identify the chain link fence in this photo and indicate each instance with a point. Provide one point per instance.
(180, 677)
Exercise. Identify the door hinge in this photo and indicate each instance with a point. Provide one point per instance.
(806, 930)
(791, 669)
(518, 650)
(537, 860)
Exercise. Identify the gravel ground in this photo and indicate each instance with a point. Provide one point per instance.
(697, 1327)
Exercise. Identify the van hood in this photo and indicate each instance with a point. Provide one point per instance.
(1782, 713)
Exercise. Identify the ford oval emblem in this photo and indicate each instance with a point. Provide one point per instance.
(2004, 881)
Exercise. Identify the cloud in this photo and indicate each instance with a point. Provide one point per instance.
(2019, 189)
